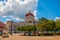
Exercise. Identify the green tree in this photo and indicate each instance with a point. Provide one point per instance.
(42, 24)
(57, 22)
(42, 19)
(50, 25)
(28, 28)
(46, 25)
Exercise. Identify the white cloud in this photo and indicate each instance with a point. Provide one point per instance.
(5, 22)
(57, 18)
(17, 18)
(4, 16)
(11, 18)
(35, 15)
(18, 8)
(8, 19)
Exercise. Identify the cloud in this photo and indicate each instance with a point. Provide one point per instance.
(35, 15)
(8, 19)
(18, 8)
(19, 19)
(5, 22)
(4, 16)
(57, 18)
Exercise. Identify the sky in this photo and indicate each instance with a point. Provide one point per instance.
(16, 10)
(49, 9)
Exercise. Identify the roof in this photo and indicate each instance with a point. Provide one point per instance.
(2, 25)
(29, 13)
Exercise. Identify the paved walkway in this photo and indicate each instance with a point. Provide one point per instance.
(17, 37)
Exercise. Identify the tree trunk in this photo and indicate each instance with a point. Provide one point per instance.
(29, 33)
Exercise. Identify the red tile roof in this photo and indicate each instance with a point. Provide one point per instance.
(2, 25)
(29, 13)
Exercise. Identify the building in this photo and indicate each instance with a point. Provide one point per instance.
(29, 20)
(2, 26)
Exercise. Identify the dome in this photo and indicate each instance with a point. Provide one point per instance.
(29, 13)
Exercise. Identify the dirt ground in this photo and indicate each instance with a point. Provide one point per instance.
(17, 37)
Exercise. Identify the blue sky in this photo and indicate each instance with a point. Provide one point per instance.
(49, 9)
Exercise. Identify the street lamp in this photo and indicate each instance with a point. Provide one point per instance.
(34, 28)
(15, 30)
(11, 26)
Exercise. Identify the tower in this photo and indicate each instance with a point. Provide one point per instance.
(29, 17)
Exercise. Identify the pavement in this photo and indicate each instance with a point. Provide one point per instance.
(18, 37)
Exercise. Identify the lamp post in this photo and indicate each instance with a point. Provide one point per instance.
(11, 26)
(34, 28)
(15, 30)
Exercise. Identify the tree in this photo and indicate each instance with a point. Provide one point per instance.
(46, 25)
(28, 28)
(42, 20)
(51, 25)
(42, 24)
(57, 22)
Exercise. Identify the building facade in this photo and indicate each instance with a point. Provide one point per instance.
(29, 20)
(2, 27)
